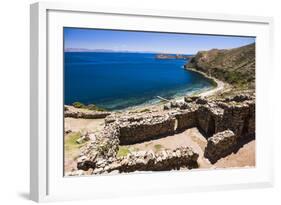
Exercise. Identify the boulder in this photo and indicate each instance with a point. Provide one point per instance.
(86, 114)
(189, 99)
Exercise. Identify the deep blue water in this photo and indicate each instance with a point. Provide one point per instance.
(120, 80)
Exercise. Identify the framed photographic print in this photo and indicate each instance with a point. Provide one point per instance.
(127, 102)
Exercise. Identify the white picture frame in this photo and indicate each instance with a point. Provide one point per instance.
(46, 181)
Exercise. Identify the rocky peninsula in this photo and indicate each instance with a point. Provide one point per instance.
(173, 56)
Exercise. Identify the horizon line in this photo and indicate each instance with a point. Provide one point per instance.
(104, 50)
(121, 51)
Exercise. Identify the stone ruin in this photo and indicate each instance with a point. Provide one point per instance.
(225, 123)
(101, 156)
(220, 145)
(213, 116)
(142, 127)
(230, 122)
(145, 161)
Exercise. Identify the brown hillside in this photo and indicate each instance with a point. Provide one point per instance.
(235, 66)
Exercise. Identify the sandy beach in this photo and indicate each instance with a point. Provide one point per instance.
(218, 89)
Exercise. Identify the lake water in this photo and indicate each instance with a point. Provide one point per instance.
(120, 80)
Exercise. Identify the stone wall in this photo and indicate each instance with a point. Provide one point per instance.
(138, 128)
(185, 119)
(220, 145)
(102, 148)
(251, 128)
(183, 157)
(209, 116)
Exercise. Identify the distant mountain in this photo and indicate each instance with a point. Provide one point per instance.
(104, 50)
(87, 50)
(112, 51)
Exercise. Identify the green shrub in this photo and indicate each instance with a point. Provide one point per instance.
(123, 151)
(94, 107)
(78, 105)
(158, 147)
(89, 107)
(145, 110)
(70, 141)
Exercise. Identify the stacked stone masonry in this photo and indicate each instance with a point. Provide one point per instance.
(183, 157)
(220, 145)
(139, 128)
(236, 115)
(212, 116)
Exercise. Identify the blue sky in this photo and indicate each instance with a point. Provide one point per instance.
(148, 41)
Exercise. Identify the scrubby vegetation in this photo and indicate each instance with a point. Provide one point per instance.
(94, 107)
(236, 78)
(123, 151)
(235, 66)
(70, 142)
(158, 147)
(89, 107)
(145, 110)
(78, 105)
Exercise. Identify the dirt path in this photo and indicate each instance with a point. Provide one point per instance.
(78, 125)
(245, 157)
(191, 138)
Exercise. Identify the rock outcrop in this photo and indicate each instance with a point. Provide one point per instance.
(86, 114)
(235, 66)
(172, 56)
(220, 145)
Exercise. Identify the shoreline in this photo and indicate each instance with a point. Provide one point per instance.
(220, 85)
(218, 88)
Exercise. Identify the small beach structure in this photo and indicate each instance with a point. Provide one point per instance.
(164, 99)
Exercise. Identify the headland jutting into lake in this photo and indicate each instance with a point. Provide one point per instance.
(205, 130)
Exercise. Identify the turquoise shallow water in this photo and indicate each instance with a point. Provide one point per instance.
(120, 80)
